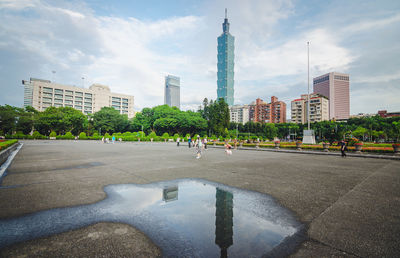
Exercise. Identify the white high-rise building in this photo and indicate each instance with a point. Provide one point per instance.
(239, 114)
(42, 94)
(172, 95)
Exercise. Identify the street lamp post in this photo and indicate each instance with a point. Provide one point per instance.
(308, 84)
(237, 125)
(308, 135)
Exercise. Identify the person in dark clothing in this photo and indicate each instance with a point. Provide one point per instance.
(189, 141)
(343, 148)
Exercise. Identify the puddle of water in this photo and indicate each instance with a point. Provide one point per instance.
(185, 218)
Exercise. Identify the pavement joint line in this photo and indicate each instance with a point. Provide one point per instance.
(350, 191)
(335, 248)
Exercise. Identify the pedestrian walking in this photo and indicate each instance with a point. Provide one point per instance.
(343, 148)
(177, 141)
(113, 139)
(198, 146)
(189, 141)
(205, 143)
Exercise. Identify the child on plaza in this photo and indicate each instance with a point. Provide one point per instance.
(228, 148)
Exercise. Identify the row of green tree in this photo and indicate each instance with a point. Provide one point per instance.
(211, 119)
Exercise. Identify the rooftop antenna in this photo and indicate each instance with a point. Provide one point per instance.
(226, 13)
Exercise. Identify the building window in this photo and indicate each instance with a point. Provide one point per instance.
(78, 98)
(48, 100)
(69, 92)
(78, 94)
(58, 96)
(58, 91)
(78, 107)
(49, 90)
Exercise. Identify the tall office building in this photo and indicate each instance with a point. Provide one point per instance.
(42, 94)
(226, 47)
(172, 96)
(336, 87)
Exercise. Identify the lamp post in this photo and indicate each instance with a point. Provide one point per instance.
(54, 75)
(308, 135)
(308, 84)
(237, 125)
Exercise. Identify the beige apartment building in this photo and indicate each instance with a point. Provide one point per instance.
(42, 94)
(319, 109)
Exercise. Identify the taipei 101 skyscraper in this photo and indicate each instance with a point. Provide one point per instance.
(226, 47)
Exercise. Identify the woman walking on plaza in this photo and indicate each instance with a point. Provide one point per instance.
(343, 148)
(198, 146)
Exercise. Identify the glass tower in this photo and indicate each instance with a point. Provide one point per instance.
(172, 91)
(226, 47)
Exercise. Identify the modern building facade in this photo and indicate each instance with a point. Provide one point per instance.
(226, 47)
(239, 113)
(274, 112)
(336, 87)
(172, 96)
(42, 94)
(319, 109)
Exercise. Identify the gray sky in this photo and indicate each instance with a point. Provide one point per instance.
(131, 45)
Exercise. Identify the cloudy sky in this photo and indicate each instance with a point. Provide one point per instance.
(131, 45)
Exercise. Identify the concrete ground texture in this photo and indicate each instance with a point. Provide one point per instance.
(350, 206)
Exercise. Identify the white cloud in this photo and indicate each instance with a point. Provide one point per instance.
(132, 56)
(16, 4)
(371, 24)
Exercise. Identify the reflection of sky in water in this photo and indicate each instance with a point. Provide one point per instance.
(184, 217)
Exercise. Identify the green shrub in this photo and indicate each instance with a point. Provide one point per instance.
(53, 134)
(37, 135)
(4, 145)
(68, 136)
(165, 136)
(82, 136)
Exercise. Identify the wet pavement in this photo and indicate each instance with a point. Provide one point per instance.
(185, 218)
(349, 207)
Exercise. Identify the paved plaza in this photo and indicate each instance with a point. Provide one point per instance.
(350, 206)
